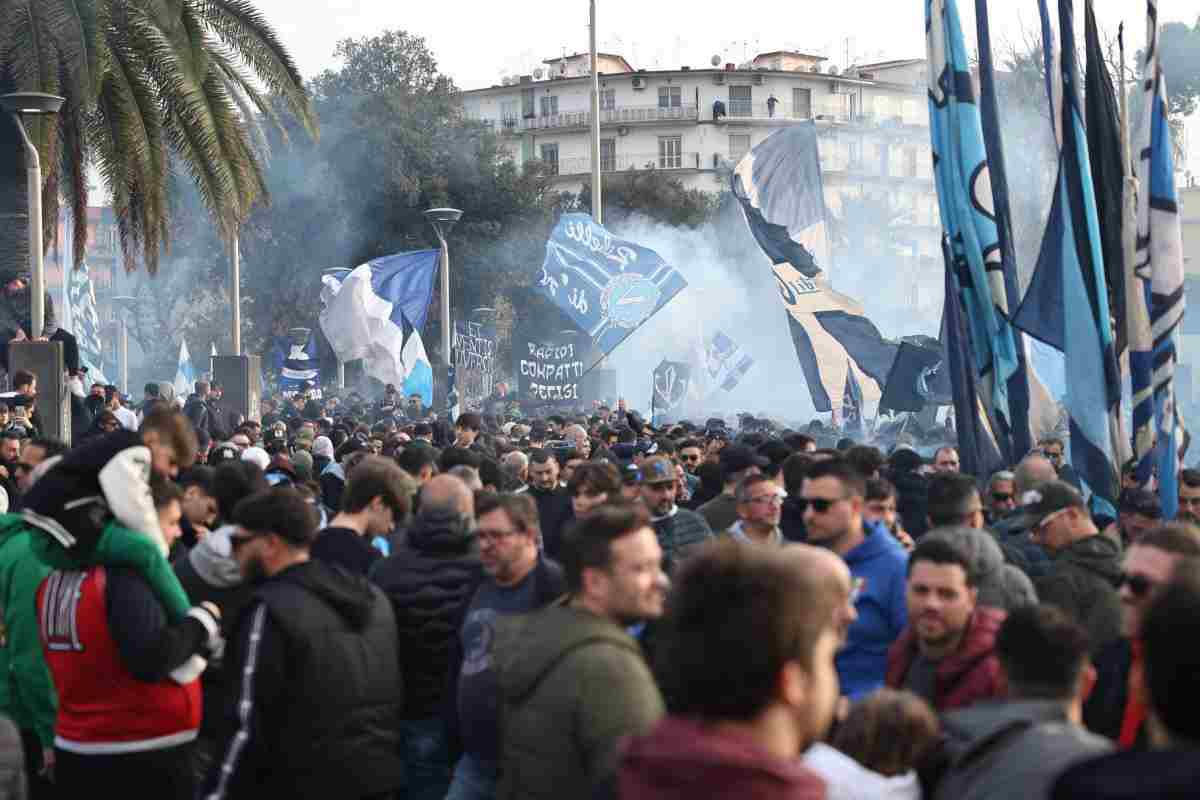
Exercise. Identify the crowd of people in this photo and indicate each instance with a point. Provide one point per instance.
(356, 599)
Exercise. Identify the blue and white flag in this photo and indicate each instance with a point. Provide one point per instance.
(965, 200)
(725, 361)
(608, 286)
(376, 313)
(301, 367)
(852, 405)
(1066, 304)
(185, 373)
(81, 319)
(778, 184)
(1157, 278)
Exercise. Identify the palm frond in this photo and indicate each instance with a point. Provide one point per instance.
(243, 28)
(73, 24)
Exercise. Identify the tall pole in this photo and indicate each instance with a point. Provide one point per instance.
(235, 294)
(124, 354)
(445, 303)
(597, 211)
(33, 187)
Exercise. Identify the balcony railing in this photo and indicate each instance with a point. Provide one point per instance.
(621, 115)
(624, 162)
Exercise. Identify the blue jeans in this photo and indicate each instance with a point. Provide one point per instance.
(426, 758)
(474, 780)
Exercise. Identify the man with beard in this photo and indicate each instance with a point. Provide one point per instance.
(680, 532)
(518, 581)
(319, 704)
(1189, 497)
(946, 653)
(553, 503)
(10, 453)
(572, 681)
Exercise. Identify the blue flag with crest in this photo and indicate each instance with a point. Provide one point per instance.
(607, 286)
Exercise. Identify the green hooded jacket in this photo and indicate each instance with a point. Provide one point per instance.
(26, 689)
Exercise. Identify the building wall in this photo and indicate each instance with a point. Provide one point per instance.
(1189, 340)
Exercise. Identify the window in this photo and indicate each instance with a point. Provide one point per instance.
(550, 156)
(910, 162)
(670, 97)
(550, 105)
(739, 145)
(740, 103)
(608, 99)
(854, 154)
(508, 113)
(608, 155)
(527, 103)
(670, 152)
(802, 103)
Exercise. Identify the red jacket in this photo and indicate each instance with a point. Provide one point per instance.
(969, 674)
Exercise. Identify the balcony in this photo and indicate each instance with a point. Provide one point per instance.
(627, 162)
(623, 115)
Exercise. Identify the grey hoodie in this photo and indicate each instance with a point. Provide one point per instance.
(1083, 582)
(213, 560)
(1000, 585)
(1012, 749)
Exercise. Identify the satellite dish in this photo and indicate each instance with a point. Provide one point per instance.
(815, 68)
(833, 70)
(715, 61)
(537, 73)
(506, 80)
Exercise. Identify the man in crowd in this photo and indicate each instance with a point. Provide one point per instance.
(554, 506)
(318, 709)
(1167, 681)
(680, 532)
(515, 468)
(736, 463)
(1138, 510)
(196, 408)
(430, 582)
(1112, 710)
(573, 682)
(592, 485)
(466, 429)
(1085, 566)
(946, 653)
(880, 507)
(1017, 747)
(518, 580)
(1001, 496)
(1189, 496)
(577, 437)
(760, 504)
(374, 502)
(740, 724)
(945, 460)
(833, 499)
(1012, 530)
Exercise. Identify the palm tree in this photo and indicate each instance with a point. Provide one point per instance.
(149, 85)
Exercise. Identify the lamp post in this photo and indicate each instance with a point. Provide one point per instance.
(443, 220)
(235, 292)
(121, 304)
(20, 104)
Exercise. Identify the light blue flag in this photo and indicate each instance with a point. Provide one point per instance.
(185, 373)
(85, 322)
(1158, 277)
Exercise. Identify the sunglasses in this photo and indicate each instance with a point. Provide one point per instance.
(1001, 497)
(1139, 585)
(819, 504)
(694, 457)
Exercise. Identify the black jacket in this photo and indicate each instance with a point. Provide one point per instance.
(1082, 581)
(791, 521)
(198, 413)
(316, 652)
(1132, 775)
(430, 583)
(912, 502)
(555, 512)
(1104, 709)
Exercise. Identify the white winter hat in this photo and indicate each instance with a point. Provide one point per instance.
(257, 456)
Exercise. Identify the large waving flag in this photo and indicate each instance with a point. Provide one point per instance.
(778, 184)
(1066, 304)
(81, 319)
(967, 204)
(725, 361)
(1157, 281)
(185, 373)
(376, 313)
(301, 366)
(608, 286)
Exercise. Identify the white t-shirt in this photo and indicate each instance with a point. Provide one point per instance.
(127, 418)
(846, 779)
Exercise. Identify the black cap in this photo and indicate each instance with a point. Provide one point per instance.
(736, 458)
(1046, 499)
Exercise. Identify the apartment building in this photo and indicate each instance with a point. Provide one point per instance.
(697, 123)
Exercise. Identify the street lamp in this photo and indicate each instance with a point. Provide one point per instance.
(443, 220)
(21, 104)
(121, 304)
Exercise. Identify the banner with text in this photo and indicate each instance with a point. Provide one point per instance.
(474, 350)
(549, 370)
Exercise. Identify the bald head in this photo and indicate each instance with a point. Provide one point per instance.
(1033, 471)
(447, 494)
(824, 569)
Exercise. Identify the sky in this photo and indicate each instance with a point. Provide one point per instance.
(477, 42)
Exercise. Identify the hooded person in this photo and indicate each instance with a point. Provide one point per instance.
(1000, 585)
(316, 712)
(322, 453)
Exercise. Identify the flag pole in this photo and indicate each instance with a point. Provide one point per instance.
(597, 212)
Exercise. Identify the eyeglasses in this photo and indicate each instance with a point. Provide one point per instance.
(1138, 585)
(772, 499)
(493, 537)
(692, 457)
(819, 504)
(1189, 501)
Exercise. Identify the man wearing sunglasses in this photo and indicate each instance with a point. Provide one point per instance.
(1001, 496)
(1085, 567)
(1112, 710)
(832, 497)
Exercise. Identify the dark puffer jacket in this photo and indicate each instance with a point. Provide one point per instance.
(430, 582)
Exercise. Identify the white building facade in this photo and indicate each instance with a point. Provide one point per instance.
(872, 122)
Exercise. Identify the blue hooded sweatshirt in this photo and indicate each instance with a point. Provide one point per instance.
(878, 568)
